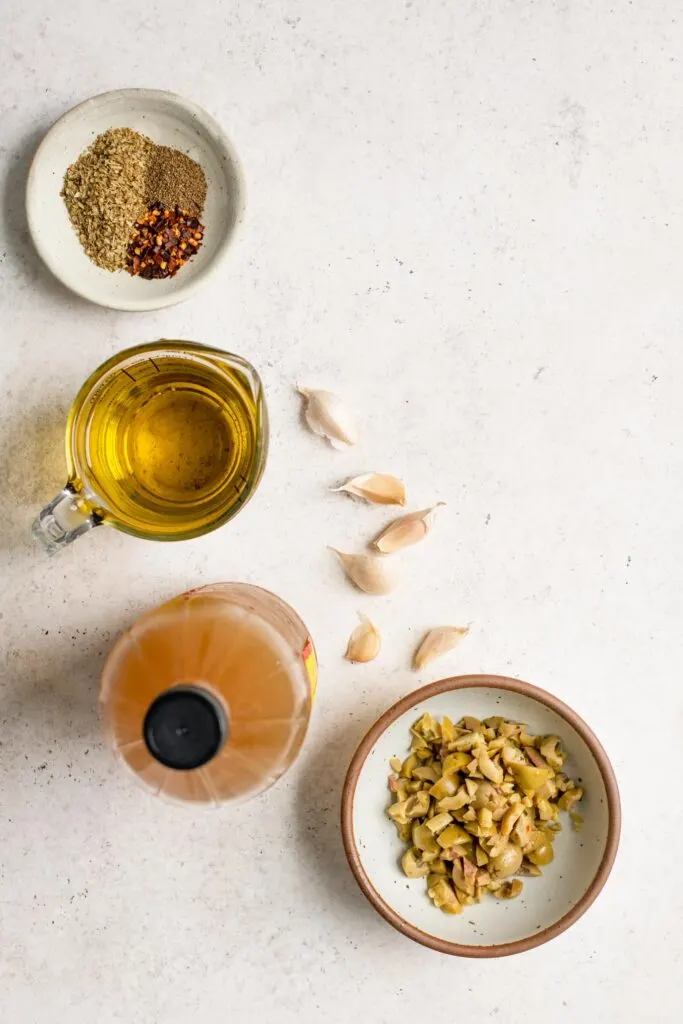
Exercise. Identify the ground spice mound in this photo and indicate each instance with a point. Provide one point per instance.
(105, 191)
(115, 182)
(176, 180)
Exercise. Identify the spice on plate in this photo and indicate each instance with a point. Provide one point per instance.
(175, 179)
(105, 190)
(163, 241)
(110, 189)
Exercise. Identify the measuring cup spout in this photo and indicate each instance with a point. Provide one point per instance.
(62, 521)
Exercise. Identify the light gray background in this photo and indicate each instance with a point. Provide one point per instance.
(465, 217)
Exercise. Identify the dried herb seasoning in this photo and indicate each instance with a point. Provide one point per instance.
(105, 191)
(163, 241)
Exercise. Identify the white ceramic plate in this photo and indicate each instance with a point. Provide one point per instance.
(550, 903)
(168, 120)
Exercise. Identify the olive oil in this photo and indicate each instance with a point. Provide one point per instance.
(165, 441)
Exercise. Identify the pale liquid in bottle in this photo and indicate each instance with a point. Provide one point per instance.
(207, 698)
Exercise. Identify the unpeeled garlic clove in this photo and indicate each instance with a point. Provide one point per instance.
(329, 417)
(370, 573)
(437, 642)
(406, 530)
(377, 488)
(364, 642)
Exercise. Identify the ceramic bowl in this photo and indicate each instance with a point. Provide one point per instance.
(550, 903)
(168, 120)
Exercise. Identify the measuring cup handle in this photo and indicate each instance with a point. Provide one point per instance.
(62, 521)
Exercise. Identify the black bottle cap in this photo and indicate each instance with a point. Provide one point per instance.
(185, 727)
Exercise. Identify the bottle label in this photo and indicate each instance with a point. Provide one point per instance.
(311, 666)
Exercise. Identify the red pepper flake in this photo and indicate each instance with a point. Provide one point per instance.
(163, 241)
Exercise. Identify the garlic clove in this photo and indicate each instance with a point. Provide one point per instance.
(370, 573)
(364, 642)
(406, 530)
(437, 642)
(329, 417)
(377, 488)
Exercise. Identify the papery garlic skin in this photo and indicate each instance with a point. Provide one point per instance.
(376, 488)
(406, 530)
(364, 643)
(370, 573)
(438, 642)
(329, 417)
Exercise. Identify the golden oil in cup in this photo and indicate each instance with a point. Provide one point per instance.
(165, 441)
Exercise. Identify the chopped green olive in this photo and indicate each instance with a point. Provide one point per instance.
(478, 802)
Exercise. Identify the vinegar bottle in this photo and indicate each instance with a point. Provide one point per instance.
(207, 698)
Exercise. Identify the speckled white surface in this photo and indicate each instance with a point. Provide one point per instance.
(467, 218)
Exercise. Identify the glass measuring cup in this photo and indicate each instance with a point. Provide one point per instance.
(165, 441)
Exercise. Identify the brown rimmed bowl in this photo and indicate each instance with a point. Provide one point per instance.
(550, 903)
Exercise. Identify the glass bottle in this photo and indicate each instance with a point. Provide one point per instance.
(207, 698)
